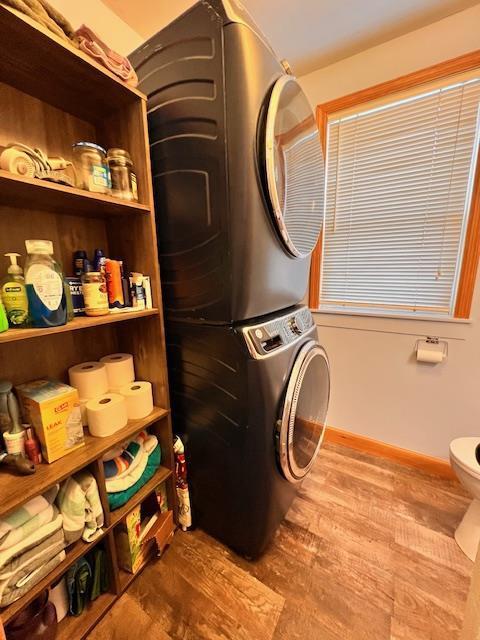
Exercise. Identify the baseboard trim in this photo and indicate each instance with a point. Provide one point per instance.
(428, 464)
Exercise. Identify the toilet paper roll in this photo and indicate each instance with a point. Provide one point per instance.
(429, 355)
(106, 414)
(431, 352)
(120, 370)
(138, 398)
(89, 378)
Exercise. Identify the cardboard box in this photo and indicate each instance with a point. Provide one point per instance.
(143, 532)
(53, 409)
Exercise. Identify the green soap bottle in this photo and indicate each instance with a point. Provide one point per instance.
(3, 318)
(14, 294)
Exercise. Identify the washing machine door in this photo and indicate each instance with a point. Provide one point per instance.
(294, 166)
(301, 428)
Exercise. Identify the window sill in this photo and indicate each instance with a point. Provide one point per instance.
(392, 316)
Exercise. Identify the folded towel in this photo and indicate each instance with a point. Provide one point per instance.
(126, 460)
(26, 559)
(23, 568)
(34, 539)
(20, 523)
(79, 582)
(118, 499)
(27, 583)
(43, 13)
(119, 65)
(80, 506)
(136, 469)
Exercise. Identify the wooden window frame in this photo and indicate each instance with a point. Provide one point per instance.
(471, 251)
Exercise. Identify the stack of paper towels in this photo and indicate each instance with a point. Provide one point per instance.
(109, 394)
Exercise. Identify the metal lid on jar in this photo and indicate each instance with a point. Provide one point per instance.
(89, 145)
(119, 155)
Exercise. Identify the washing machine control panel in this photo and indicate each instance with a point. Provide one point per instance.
(263, 339)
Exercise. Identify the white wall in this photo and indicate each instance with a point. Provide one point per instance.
(378, 389)
(107, 25)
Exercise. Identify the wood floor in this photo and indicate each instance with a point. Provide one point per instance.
(365, 552)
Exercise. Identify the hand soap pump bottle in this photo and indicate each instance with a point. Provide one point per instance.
(45, 290)
(14, 294)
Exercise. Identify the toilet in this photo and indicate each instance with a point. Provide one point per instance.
(467, 470)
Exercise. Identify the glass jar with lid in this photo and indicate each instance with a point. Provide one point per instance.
(94, 289)
(91, 167)
(124, 179)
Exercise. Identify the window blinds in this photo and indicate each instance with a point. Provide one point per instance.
(399, 181)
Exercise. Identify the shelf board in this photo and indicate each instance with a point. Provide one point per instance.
(127, 578)
(161, 474)
(74, 82)
(12, 335)
(32, 193)
(76, 627)
(73, 553)
(15, 490)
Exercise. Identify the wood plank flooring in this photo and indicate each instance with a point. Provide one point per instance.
(365, 552)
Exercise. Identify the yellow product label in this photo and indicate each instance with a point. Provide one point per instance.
(14, 297)
(95, 296)
(57, 422)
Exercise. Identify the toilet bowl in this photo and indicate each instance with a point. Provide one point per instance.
(467, 470)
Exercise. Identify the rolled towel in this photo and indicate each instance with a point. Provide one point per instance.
(80, 506)
(126, 480)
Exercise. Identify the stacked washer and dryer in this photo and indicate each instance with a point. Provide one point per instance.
(239, 188)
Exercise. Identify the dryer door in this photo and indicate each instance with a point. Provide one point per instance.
(294, 167)
(301, 427)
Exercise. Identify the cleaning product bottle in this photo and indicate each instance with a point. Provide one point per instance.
(14, 294)
(45, 289)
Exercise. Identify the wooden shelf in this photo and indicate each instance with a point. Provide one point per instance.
(14, 491)
(76, 627)
(74, 82)
(160, 476)
(22, 192)
(127, 578)
(77, 550)
(12, 335)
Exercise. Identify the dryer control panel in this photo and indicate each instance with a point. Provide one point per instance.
(265, 338)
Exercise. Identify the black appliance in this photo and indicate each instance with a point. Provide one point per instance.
(239, 188)
(237, 167)
(251, 403)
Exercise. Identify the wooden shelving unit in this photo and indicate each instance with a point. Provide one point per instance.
(51, 96)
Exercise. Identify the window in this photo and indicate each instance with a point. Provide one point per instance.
(400, 178)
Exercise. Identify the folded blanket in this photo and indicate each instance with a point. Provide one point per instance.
(80, 506)
(79, 584)
(119, 65)
(127, 458)
(22, 569)
(26, 559)
(20, 523)
(45, 14)
(33, 540)
(136, 469)
(118, 499)
(24, 585)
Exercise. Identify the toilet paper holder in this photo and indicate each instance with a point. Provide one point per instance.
(432, 340)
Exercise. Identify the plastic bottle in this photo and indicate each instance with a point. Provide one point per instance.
(3, 318)
(14, 294)
(45, 288)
